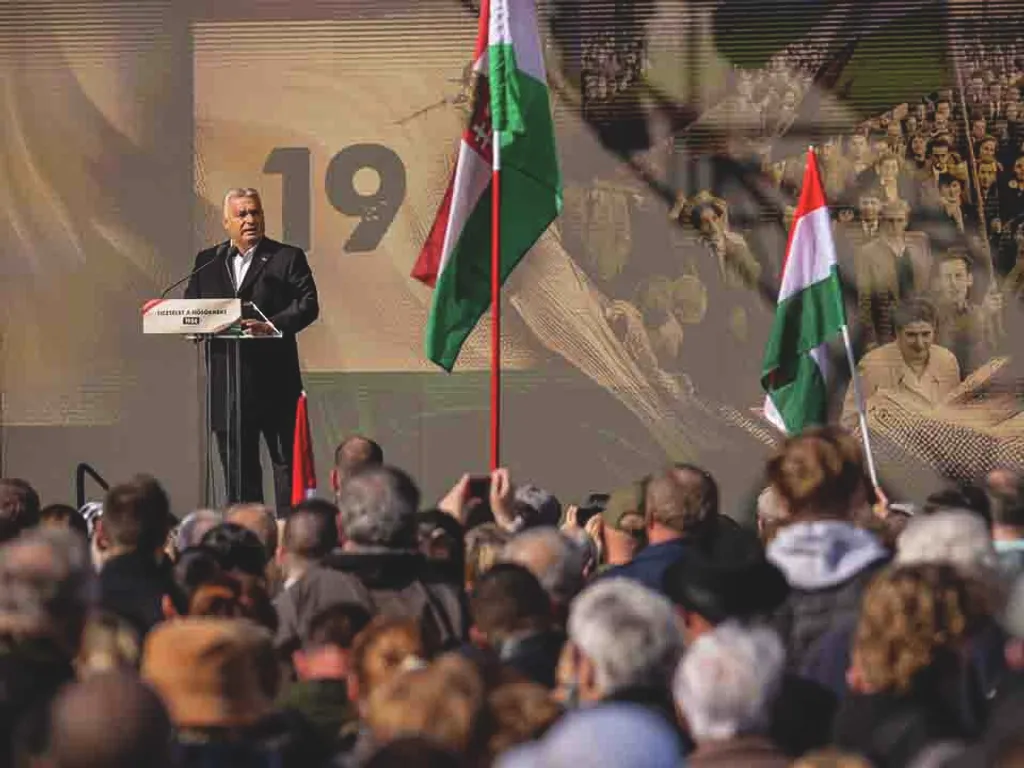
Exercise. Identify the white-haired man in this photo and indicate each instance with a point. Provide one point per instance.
(623, 645)
(725, 688)
(276, 278)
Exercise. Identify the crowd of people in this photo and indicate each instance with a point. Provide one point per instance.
(643, 627)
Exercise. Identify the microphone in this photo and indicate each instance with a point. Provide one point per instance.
(221, 249)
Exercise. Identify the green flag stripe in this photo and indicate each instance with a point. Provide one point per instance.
(802, 322)
(803, 400)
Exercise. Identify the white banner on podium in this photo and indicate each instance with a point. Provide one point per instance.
(190, 316)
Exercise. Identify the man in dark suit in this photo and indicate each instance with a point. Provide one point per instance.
(276, 278)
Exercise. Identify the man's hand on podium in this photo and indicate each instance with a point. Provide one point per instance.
(258, 328)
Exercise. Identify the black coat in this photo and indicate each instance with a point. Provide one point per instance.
(279, 282)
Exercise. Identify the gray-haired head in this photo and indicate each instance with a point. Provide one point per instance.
(953, 537)
(194, 526)
(47, 587)
(728, 680)
(539, 507)
(378, 509)
(237, 193)
(628, 632)
(557, 561)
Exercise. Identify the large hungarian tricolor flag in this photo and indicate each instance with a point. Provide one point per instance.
(809, 313)
(511, 92)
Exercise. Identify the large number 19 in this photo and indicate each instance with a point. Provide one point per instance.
(375, 211)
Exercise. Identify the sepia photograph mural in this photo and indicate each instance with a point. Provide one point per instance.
(634, 331)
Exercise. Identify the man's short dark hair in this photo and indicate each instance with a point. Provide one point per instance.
(356, 453)
(337, 625)
(947, 180)
(137, 514)
(967, 497)
(236, 548)
(66, 515)
(938, 141)
(682, 497)
(19, 507)
(311, 531)
(914, 311)
(509, 599)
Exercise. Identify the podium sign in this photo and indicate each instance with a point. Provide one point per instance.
(190, 316)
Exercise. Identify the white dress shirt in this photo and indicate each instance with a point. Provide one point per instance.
(240, 265)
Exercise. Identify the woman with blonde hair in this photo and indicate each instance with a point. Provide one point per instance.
(907, 672)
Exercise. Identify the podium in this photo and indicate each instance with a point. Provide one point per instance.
(215, 326)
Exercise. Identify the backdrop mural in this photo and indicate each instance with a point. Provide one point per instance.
(634, 330)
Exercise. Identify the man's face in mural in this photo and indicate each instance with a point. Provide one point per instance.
(919, 146)
(858, 146)
(710, 223)
(987, 175)
(940, 158)
(1018, 169)
(869, 207)
(987, 150)
(955, 281)
(894, 224)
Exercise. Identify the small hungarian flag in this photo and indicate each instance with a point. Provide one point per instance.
(511, 87)
(303, 464)
(809, 313)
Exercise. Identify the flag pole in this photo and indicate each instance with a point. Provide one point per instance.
(861, 413)
(496, 301)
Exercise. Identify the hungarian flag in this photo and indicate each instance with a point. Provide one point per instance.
(303, 464)
(809, 313)
(511, 96)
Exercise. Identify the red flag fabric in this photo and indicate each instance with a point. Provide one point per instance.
(303, 464)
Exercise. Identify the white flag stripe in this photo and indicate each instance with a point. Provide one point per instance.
(472, 177)
(812, 253)
(515, 22)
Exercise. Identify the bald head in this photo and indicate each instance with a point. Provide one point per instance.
(81, 732)
(354, 454)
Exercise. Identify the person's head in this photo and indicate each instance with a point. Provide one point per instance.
(1005, 489)
(858, 146)
(537, 506)
(484, 547)
(194, 526)
(521, 712)
(555, 559)
(728, 681)
(893, 222)
(913, 622)
(136, 516)
(868, 206)
(915, 330)
(382, 650)
(919, 145)
(63, 516)
(955, 277)
(949, 188)
(681, 500)
(243, 217)
(888, 167)
(978, 128)
(818, 475)
(327, 646)
(988, 172)
(621, 636)
(258, 518)
(706, 593)
(111, 720)
(938, 151)
(47, 588)
(772, 513)
(1018, 169)
(952, 537)
(987, 149)
(442, 541)
(445, 701)
(310, 534)
(202, 587)
(624, 517)
(19, 507)
(378, 509)
(942, 109)
(506, 602)
(211, 672)
(354, 454)
(242, 556)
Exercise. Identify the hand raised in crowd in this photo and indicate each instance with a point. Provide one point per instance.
(594, 528)
(501, 499)
(454, 502)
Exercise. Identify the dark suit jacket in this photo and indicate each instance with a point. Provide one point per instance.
(280, 283)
